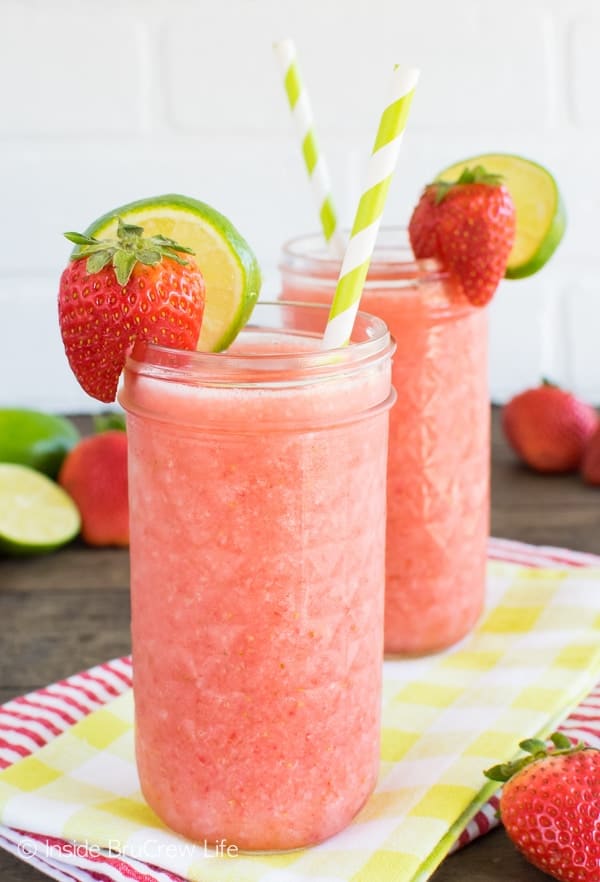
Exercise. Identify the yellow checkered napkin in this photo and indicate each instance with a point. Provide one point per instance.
(535, 653)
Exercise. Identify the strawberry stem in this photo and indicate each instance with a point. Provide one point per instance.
(129, 247)
(109, 421)
(476, 175)
(537, 749)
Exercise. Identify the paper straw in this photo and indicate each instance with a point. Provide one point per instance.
(314, 160)
(359, 252)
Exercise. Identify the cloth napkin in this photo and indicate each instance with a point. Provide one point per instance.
(69, 790)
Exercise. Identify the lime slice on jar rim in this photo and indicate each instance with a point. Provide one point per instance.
(36, 515)
(226, 261)
(540, 212)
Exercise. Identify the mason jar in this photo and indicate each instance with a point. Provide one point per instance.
(439, 447)
(257, 496)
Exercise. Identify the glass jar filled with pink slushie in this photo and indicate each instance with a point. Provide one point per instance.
(257, 482)
(439, 449)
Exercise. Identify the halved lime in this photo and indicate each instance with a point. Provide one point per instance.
(38, 440)
(36, 515)
(230, 269)
(540, 213)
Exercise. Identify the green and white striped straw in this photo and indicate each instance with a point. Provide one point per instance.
(315, 163)
(382, 165)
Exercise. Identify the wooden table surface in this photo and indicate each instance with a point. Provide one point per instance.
(68, 611)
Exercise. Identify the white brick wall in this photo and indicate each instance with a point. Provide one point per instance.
(103, 103)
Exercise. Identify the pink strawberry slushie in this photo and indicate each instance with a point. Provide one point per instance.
(257, 482)
(439, 450)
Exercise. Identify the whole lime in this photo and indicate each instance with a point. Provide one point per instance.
(38, 440)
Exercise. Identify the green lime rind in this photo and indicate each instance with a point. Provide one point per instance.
(540, 221)
(240, 251)
(35, 439)
(547, 246)
(36, 515)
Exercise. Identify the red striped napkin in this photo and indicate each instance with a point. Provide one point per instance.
(31, 721)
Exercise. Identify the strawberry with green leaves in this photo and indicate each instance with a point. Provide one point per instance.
(550, 807)
(469, 226)
(117, 291)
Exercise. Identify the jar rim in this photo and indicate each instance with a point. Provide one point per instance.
(371, 341)
(393, 259)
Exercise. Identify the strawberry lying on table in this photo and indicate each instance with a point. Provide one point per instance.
(549, 428)
(550, 807)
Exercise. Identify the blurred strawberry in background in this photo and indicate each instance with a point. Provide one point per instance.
(590, 466)
(94, 474)
(549, 428)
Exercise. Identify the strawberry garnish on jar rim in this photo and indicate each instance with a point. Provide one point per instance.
(468, 225)
(117, 291)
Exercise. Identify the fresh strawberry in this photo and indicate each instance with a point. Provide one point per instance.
(549, 428)
(590, 464)
(94, 474)
(117, 291)
(469, 226)
(550, 807)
